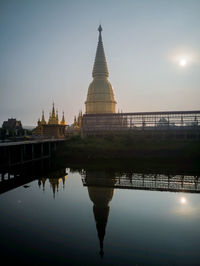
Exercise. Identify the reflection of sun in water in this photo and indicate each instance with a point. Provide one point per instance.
(183, 200)
(182, 62)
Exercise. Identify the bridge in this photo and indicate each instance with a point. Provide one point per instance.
(179, 125)
(20, 152)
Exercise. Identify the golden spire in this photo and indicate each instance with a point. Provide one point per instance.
(49, 118)
(100, 66)
(57, 120)
(43, 122)
(63, 120)
(75, 125)
(39, 122)
(53, 117)
(79, 120)
(53, 112)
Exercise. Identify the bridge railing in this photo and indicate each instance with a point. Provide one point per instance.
(184, 120)
(15, 153)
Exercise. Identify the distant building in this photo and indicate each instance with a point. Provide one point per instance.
(53, 128)
(12, 127)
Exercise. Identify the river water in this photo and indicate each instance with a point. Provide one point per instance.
(100, 217)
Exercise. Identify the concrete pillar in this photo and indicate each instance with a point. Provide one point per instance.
(9, 157)
(49, 148)
(22, 153)
(54, 146)
(24, 147)
(42, 149)
(32, 151)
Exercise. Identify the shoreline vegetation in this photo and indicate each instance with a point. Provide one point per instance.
(126, 150)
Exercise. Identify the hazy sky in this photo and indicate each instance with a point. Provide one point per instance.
(47, 50)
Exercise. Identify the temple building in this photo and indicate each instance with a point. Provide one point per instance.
(100, 97)
(13, 127)
(53, 128)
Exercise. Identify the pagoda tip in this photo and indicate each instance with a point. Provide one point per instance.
(100, 28)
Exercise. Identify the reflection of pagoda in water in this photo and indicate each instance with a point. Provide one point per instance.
(54, 179)
(100, 196)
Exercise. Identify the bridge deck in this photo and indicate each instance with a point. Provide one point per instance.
(26, 142)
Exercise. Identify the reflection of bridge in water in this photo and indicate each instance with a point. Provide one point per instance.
(158, 182)
(19, 176)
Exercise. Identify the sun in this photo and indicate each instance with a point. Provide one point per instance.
(183, 200)
(182, 62)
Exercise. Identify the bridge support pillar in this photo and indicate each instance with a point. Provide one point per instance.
(49, 149)
(32, 151)
(42, 150)
(25, 148)
(22, 154)
(9, 157)
(54, 146)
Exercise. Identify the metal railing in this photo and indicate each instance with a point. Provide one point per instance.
(174, 120)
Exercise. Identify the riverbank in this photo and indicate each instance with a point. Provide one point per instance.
(126, 150)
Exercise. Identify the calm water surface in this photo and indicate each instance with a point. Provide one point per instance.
(59, 221)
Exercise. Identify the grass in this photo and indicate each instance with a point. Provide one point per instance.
(127, 147)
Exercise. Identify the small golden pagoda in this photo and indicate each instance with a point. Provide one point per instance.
(76, 127)
(75, 124)
(78, 121)
(54, 128)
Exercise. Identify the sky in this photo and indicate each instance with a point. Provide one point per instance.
(47, 51)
